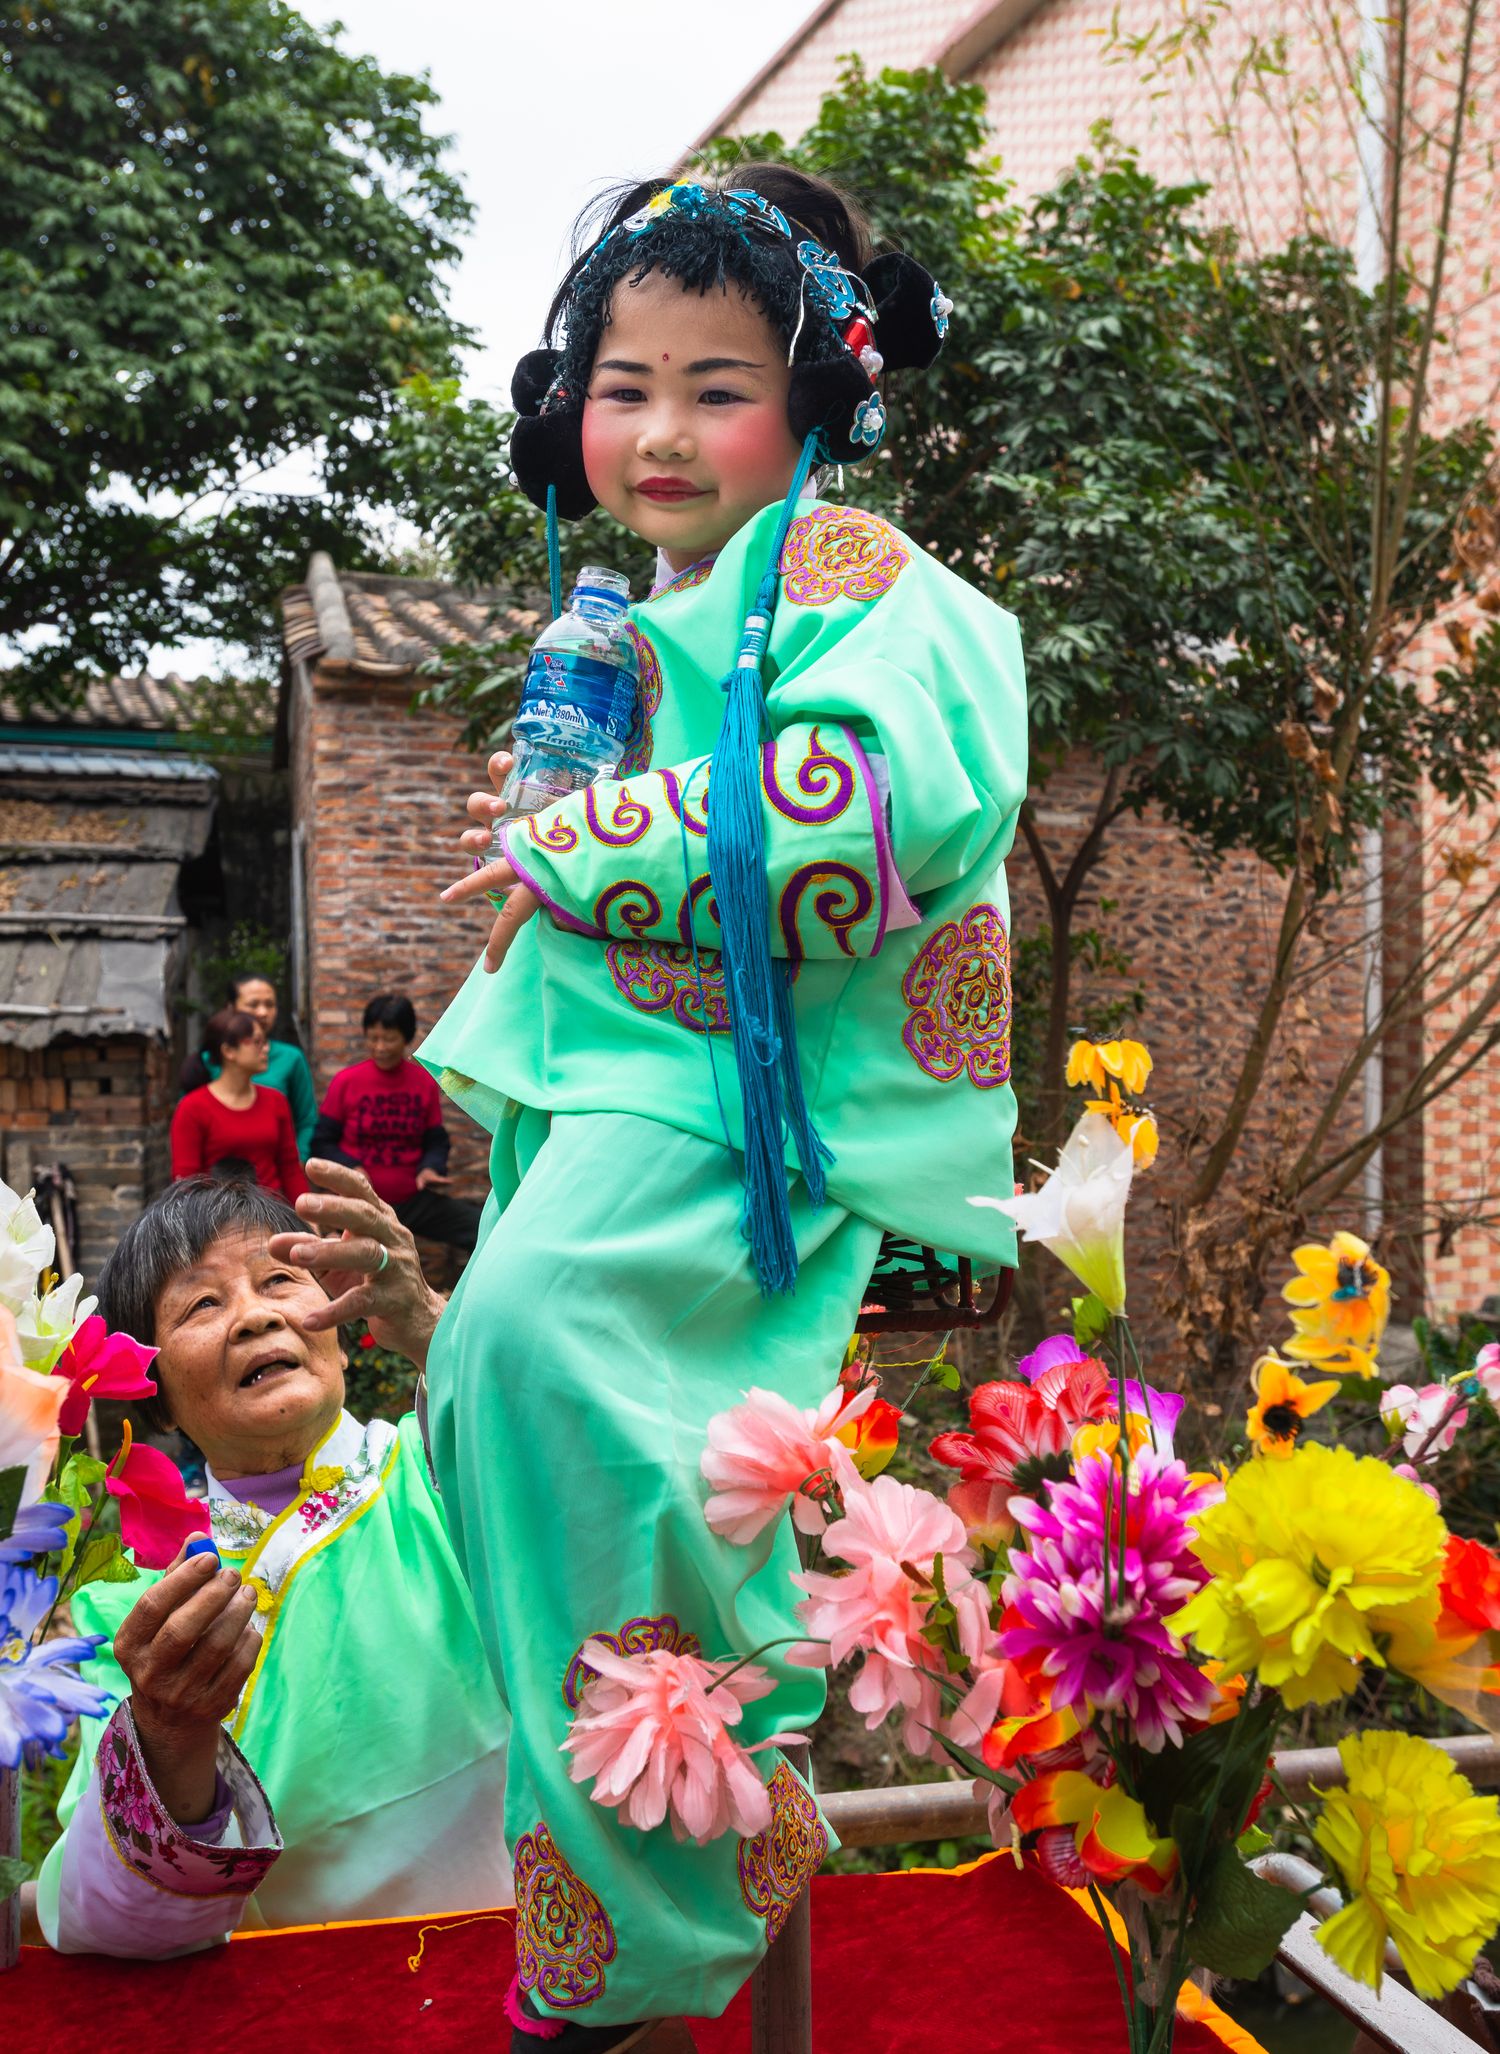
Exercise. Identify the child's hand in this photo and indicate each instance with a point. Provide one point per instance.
(494, 878)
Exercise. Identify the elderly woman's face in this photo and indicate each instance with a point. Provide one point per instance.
(238, 1370)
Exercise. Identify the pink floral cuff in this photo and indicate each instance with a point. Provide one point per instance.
(150, 1841)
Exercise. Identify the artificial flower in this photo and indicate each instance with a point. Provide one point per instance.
(765, 1454)
(37, 1529)
(1150, 1422)
(1095, 1591)
(1419, 1853)
(29, 1408)
(1096, 1063)
(1470, 1584)
(99, 1364)
(1057, 1348)
(1079, 1213)
(1427, 1421)
(41, 1693)
(47, 1323)
(1487, 1370)
(652, 1735)
(1283, 1405)
(1111, 1833)
(1309, 1561)
(1341, 1299)
(893, 1536)
(26, 1247)
(871, 1436)
(1408, 1470)
(156, 1514)
(1021, 1435)
(1032, 1729)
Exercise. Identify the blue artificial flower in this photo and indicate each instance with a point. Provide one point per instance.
(869, 422)
(38, 1529)
(40, 1693)
(942, 307)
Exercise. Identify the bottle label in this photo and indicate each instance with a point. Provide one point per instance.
(578, 692)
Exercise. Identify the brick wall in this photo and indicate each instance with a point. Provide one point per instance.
(380, 793)
(100, 1108)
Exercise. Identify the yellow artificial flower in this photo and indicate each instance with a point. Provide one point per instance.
(1095, 1062)
(1342, 1298)
(1419, 1853)
(1310, 1560)
(1283, 1405)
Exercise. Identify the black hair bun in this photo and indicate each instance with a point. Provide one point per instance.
(829, 395)
(532, 379)
(907, 332)
(547, 449)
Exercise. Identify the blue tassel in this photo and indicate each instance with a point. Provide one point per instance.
(554, 553)
(763, 1029)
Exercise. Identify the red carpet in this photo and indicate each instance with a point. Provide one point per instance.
(988, 1960)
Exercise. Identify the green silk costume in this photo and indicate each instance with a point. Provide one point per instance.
(370, 1719)
(611, 1309)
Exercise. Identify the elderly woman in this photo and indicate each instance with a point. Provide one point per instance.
(308, 1732)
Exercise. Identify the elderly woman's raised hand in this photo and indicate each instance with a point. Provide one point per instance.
(188, 1647)
(366, 1261)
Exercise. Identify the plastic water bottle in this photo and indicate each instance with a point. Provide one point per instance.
(578, 700)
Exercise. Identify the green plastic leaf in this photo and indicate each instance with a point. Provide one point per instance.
(13, 1873)
(1091, 1318)
(11, 1481)
(1253, 1841)
(102, 1559)
(943, 1373)
(1239, 1919)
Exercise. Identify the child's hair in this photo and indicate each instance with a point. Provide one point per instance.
(227, 1029)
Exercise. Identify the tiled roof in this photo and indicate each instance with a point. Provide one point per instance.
(204, 709)
(384, 627)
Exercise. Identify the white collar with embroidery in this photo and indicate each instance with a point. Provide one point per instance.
(341, 1472)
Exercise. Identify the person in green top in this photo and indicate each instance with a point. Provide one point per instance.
(286, 1072)
(752, 1006)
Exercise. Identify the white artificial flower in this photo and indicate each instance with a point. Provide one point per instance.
(29, 1405)
(26, 1247)
(46, 1325)
(1079, 1213)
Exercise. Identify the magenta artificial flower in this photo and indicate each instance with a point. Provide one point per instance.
(1057, 1348)
(765, 1454)
(156, 1513)
(1099, 1632)
(651, 1732)
(100, 1364)
(892, 1535)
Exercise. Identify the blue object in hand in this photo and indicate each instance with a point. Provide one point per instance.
(201, 1544)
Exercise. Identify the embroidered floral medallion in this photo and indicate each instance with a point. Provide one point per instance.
(636, 1637)
(958, 992)
(840, 552)
(660, 977)
(638, 742)
(778, 1864)
(564, 1938)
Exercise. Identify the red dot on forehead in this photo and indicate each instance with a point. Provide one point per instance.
(665, 358)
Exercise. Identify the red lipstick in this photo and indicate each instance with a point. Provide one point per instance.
(668, 491)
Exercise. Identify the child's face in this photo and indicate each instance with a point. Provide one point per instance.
(685, 433)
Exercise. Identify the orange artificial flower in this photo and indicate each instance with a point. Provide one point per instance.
(1342, 1299)
(1111, 1832)
(1283, 1405)
(871, 1438)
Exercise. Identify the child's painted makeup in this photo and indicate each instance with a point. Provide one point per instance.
(684, 444)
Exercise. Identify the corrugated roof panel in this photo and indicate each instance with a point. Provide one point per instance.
(43, 759)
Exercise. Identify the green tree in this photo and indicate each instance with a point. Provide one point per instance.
(222, 241)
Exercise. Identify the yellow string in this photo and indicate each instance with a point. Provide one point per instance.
(414, 1961)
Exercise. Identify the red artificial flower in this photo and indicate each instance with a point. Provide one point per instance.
(156, 1514)
(1470, 1584)
(367, 1340)
(101, 1365)
(871, 1438)
(1020, 1434)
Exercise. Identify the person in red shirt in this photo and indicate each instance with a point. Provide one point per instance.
(385, 1116)
(234, 1125)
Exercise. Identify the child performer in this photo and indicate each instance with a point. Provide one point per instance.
(764, 1013)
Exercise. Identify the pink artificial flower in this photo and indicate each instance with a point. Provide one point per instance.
(1416, 1415)
(100, 1364)
(652, 1732)
(892, 1534)
(1487, 1369)
(1021, 1434)
(156, 1514)
(766, 1452)
(1409, 1471)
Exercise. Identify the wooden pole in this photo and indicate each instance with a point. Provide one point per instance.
(781, 1988)
(10, 1848)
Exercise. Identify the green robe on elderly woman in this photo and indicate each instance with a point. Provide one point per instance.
(611, 1308)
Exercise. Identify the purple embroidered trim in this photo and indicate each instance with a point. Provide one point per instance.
(557, 837)
(636, 1637)
(840, 552)
(814, 772)
(673, 788)
(885, 861)
(639, 742)
(689, 907)
(659, 977)
(778, 1864)
(958, 992)
(695, 574)
(826, 905)
(564, 1937)
(628, 820)
(616, 899)
(564, 919)
(149, 1840)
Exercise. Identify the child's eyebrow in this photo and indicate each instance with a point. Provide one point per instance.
(697, 370)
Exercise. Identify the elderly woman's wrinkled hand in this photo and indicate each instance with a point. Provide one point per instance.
(366, 1261)
(188, 1646)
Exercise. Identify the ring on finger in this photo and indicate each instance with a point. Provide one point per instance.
(385, 1256)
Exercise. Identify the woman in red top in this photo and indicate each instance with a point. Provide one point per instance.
(234, 1120)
